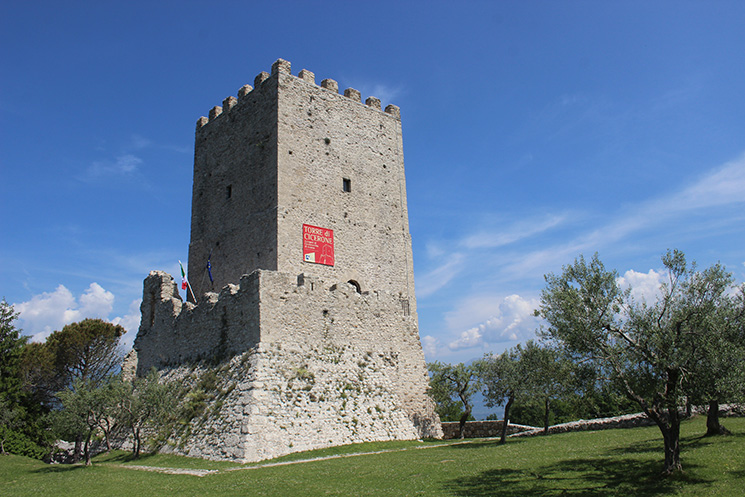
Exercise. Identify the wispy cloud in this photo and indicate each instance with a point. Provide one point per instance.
(519, 230)
(123, 166)
(721, 187)
(430, 346)
(386, 93)
(437, 278)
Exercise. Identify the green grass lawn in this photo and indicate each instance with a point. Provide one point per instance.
(612, 462)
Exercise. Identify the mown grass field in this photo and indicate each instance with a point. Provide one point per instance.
(612, 462)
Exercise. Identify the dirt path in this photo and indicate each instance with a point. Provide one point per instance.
(206, 472)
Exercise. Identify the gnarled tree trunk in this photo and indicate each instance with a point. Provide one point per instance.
(669, 426)
(506, 421)
(713, 427)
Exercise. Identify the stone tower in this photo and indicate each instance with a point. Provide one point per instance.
(286, 159)
(299, 207)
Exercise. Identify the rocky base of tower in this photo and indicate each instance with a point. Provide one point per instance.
(287, 364)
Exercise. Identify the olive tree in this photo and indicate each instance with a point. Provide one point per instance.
(648, 350)
(448, 382)
(533, 372)
(86, 408)
(546, 375)
(146, 404)
(719, 373)
(502, 381)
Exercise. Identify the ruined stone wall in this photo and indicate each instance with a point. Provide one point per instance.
(328, 365)
(175, 332)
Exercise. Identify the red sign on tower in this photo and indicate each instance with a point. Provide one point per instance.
(318, 245)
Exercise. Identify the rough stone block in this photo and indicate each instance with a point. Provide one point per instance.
(373, 102)
(245, 90)
(306, 75)
(353, 94)
(330, 84)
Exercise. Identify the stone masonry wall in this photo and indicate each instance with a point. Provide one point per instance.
(329, 365)
(234, 196)
(480, 429)
(275, 158)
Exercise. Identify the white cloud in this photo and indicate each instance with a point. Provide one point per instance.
(51, 311)
(514, 321)
(725, 185)
(430, 346)
(96, 302)
(130, 322)
(644, 286)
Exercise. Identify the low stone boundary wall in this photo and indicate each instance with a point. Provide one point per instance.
(625, 421)
(480, 429)
(487, 429)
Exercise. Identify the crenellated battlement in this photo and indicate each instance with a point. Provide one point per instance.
(281, 66)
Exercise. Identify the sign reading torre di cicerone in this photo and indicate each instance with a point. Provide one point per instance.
(301, 265)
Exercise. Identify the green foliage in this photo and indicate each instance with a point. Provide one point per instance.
(528, 377)
(147, 404)
(452, 388)
(37, 371)
(651, 352)
(88, 350)
(19, 443)
(11, 347)
(86, 408)
(21, 428)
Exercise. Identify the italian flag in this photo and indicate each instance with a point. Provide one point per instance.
(184, 284)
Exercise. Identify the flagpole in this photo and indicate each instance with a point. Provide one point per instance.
(188, 285)
(184, 279)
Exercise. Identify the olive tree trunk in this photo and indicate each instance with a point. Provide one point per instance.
(506, 421)
(713, 427)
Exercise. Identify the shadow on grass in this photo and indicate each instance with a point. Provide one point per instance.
(686, 443)
(575, 477)
(60, 468)
(476, 443)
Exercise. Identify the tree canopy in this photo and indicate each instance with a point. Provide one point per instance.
(450, 384)
(651, 351)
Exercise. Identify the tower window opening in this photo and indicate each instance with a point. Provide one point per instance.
(346, 185)
(229, 191)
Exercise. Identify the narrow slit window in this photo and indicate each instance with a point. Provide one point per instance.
(346, 185)
(229, 191)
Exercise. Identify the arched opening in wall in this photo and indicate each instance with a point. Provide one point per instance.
(355, 285)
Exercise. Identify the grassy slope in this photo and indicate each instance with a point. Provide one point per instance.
(613, 462)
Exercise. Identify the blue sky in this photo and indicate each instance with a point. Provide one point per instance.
(534, 131)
